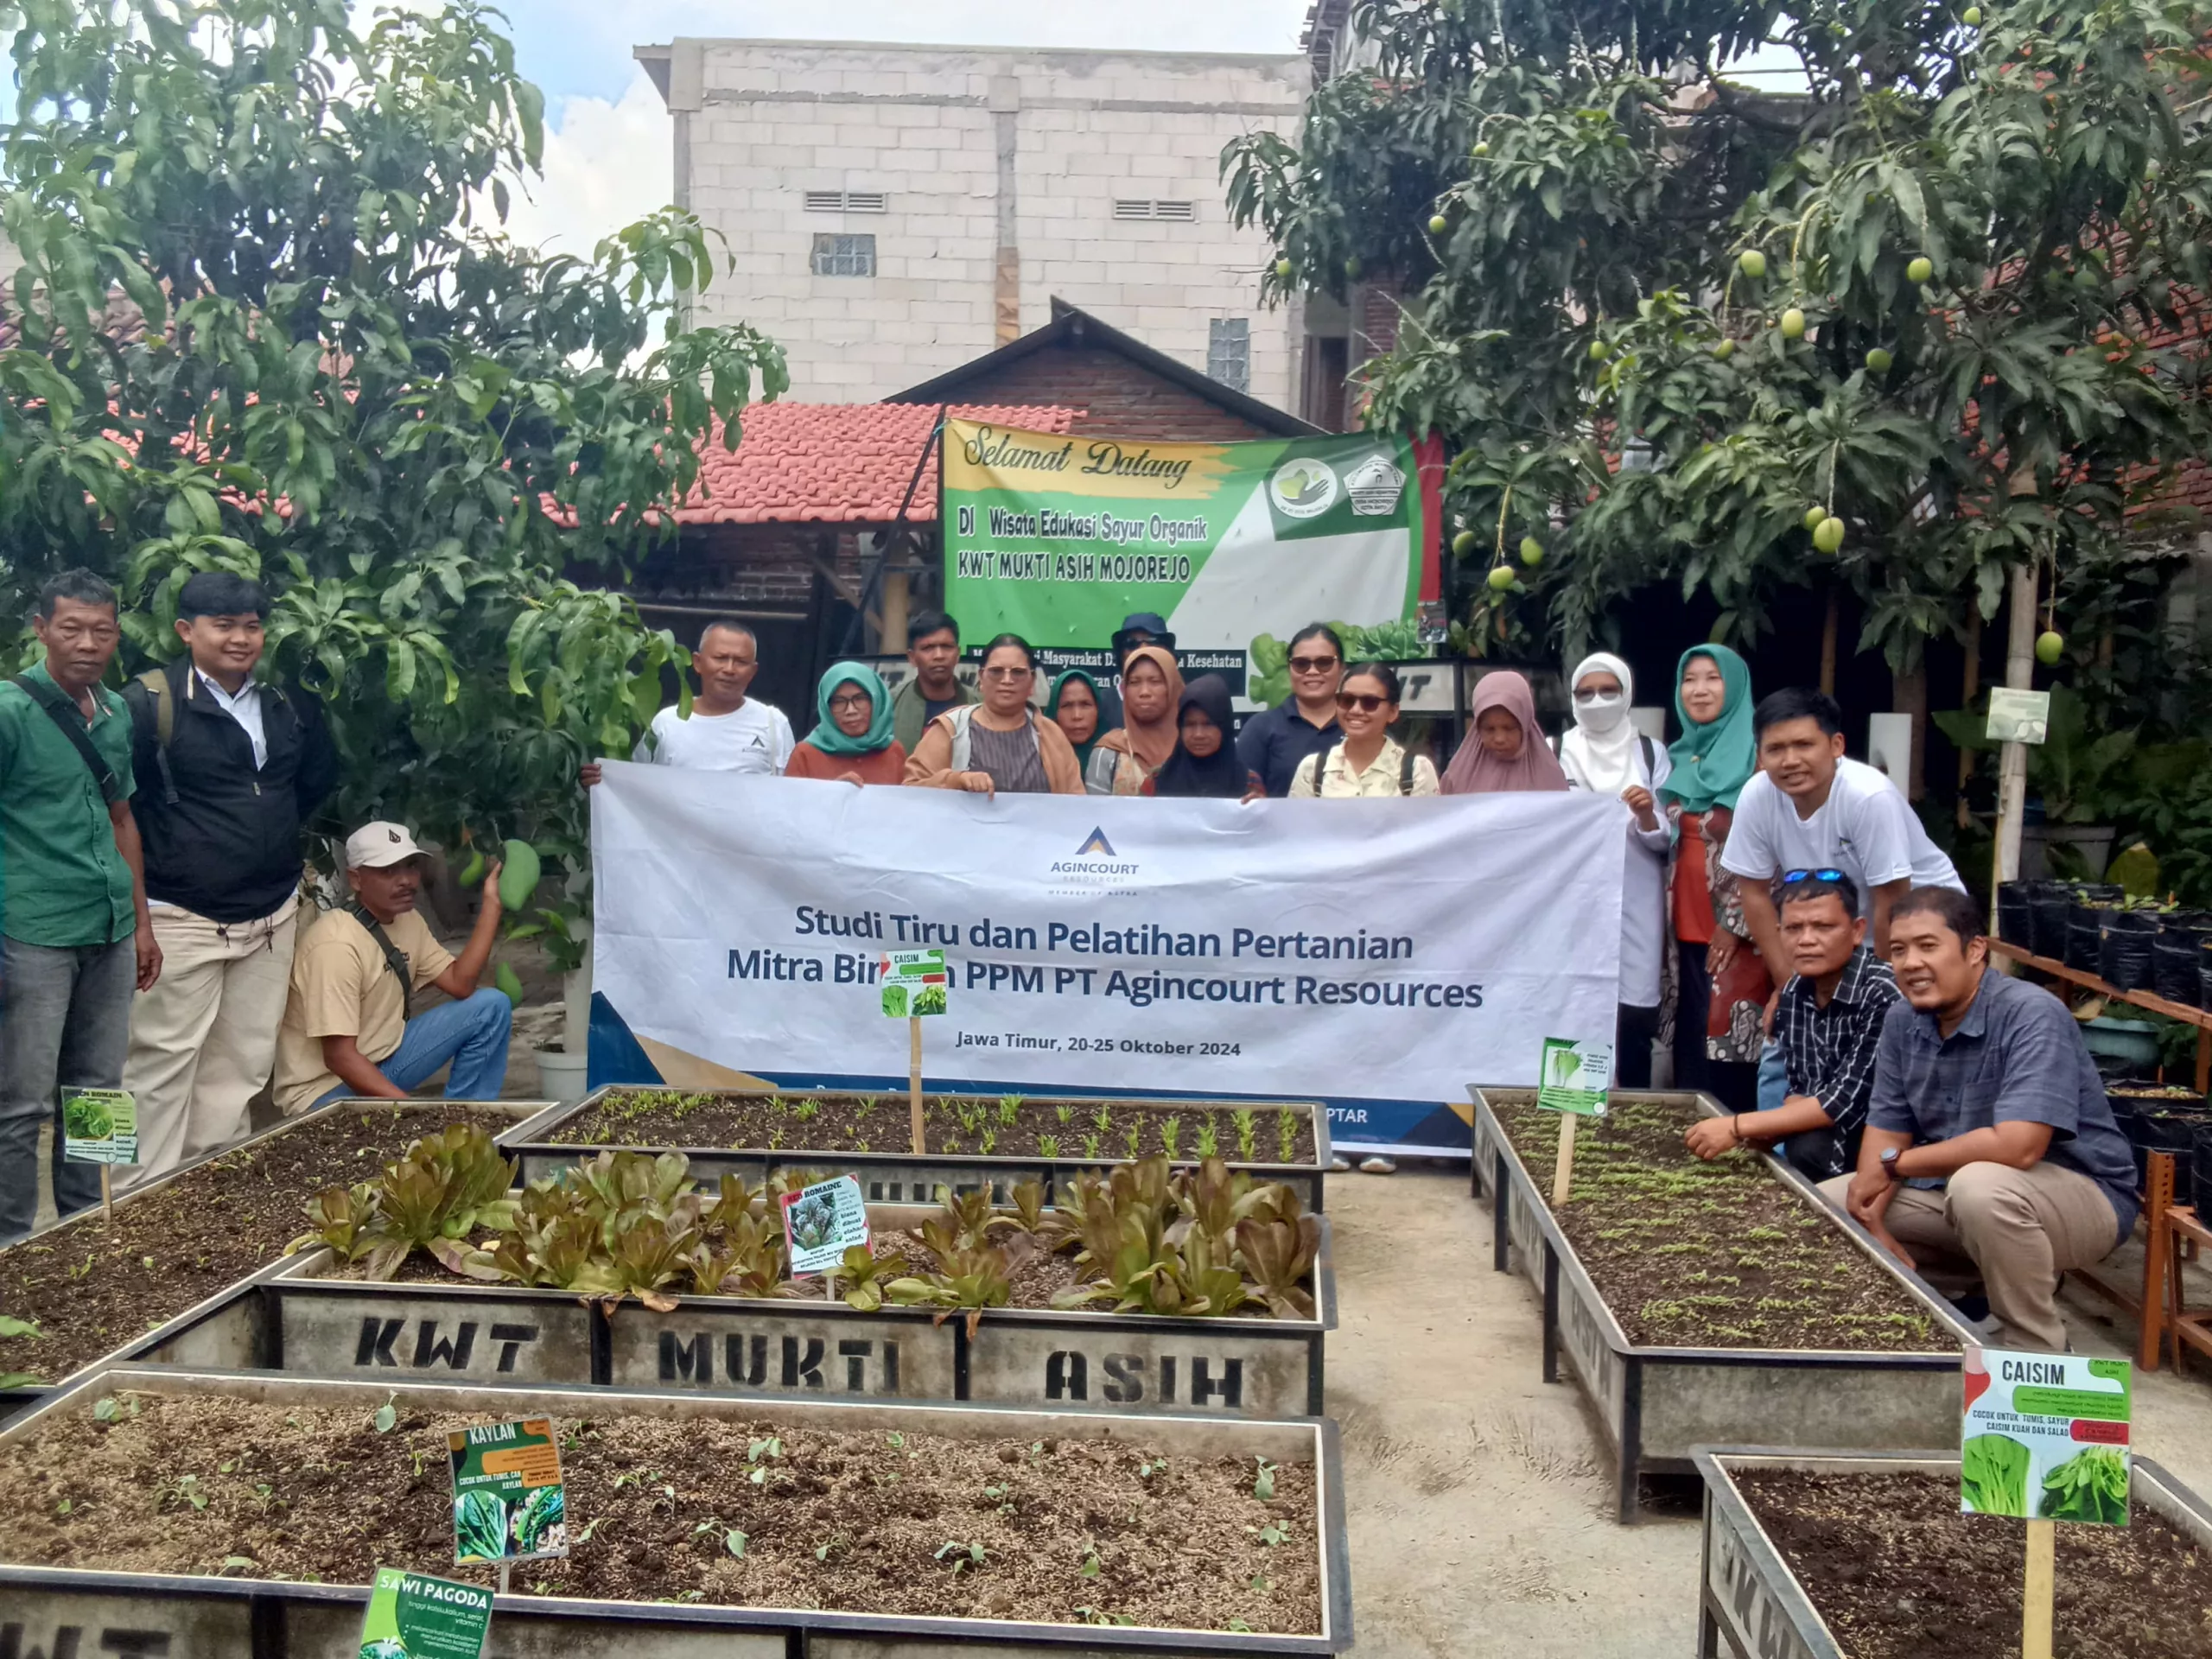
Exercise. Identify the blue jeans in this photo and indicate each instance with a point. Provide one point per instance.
(472, 1034)
(65, 1021)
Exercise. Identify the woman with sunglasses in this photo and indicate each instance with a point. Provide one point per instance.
(1369, 762)
(851, 742)
(1722, 985)
(1000, 743)
(1275, 740)
(1152, 691)
(1605, 754)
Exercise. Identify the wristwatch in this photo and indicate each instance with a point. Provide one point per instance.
(1889, 1157)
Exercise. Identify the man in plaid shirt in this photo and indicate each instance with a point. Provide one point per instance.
(1829, 1025)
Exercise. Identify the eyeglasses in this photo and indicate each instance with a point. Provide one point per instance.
(1791, 878)
(1366, 701)
(1593, 694)
(852, 700)
(1313, 664)
(1004, 673)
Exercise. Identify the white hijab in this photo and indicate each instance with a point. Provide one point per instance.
(1599, 753)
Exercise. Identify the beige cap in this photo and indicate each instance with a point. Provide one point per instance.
(376, 846)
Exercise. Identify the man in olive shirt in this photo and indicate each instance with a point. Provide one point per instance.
(75, 939)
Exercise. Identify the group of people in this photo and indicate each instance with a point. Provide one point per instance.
(152, 937)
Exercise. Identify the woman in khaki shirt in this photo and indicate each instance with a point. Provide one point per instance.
(1369, 762)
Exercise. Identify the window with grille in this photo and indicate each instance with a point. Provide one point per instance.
(1183, 211)
(844, 256)
(1228, 351)
(846, 201)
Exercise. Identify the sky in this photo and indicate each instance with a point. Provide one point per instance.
(609, 155)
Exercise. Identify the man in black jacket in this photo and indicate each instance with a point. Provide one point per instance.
(227, 769)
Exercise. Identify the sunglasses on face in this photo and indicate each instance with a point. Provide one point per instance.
(1018, 673)
(1593, 694)
(1313, 664)
(1366, 701)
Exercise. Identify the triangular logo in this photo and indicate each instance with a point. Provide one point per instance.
(1097, 843)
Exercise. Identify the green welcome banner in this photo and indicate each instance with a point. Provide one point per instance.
(1058, 537)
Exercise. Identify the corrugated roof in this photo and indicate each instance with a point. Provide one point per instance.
(837, 463)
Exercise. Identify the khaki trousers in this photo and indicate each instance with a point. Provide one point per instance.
(203, 1041)
(2015, 1229)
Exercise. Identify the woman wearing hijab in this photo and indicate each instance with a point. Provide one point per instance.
(1072, 705)
(1605, 754)
(1204, 762)
(851, 742)
(1507, 752)
(1000, 743)
(1152, 692)
(1724, 986)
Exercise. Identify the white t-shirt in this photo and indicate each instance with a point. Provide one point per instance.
(754, 737)
(1866, 828)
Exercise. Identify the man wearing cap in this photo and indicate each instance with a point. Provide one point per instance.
(350, 1030)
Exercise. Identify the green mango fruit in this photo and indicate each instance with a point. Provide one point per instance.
(508, 980)
(1500, 578)
(1751, 263)
(519, 879)
(1919, 270)
(473, 872)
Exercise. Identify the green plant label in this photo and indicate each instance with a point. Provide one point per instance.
(2045, 1437)
(822, 1222)
(915, 983)
(99, 1126)
(413, 1617)
(508, 1501)
(1573, 1076)
(2017, 716)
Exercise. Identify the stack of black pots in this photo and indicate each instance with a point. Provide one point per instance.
(2156, 1117)
(2090, 907)
(2179, 959)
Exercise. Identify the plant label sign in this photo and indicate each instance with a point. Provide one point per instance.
(2017, 716)
(412, 1616)
(2045, 1437)
(822, 1222)
(99, 1126)
(1573, 1076)
(508, 1501)
(915, 983)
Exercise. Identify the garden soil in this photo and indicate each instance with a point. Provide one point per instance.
(881, 1123)
(1898, 1572)
(852, 1521)
(91, 1288)
(1718, 1255)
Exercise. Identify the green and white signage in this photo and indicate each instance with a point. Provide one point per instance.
(99, 1126)
(2045, 1437)
(1058, 537)
(915, 983)
(412, 1616)
(508, 1501)
(1574, 1076)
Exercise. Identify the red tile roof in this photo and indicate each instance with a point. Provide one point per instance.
(836, 463)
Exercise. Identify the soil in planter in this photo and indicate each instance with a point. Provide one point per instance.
(1898, 1572)
(1091, 1131)
(91, 1288)
(1718, 1255)
(1057, 1529)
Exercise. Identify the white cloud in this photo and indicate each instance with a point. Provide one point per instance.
(607, 165)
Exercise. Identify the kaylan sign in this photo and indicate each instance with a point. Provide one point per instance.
(1057, 538)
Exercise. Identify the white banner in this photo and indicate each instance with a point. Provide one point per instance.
(1378, 951)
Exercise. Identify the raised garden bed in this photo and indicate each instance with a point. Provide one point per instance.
(978, 1310)
(1071, 1532)
(1691, 1299)
(1821, 1556)
(155, 1284)
(975, 1142)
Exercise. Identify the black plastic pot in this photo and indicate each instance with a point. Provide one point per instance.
(2048, 904)
(2177, 968)
(2202, 1151)
(2124, 947)
(2015, 912)
(2204, 975)
(2085, 936)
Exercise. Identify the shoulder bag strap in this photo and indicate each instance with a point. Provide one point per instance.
(156, 682)
(1650, 754)
(1405, 772)
(394, 958)
(64, 714)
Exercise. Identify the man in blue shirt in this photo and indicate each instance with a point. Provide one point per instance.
(1988, 1137)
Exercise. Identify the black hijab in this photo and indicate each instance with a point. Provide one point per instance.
(1220, 773)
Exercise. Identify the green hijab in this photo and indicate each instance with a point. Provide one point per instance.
(826, 737)
(1053, 712)
(1713, 761)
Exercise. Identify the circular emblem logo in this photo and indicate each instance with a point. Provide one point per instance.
(1303, 488)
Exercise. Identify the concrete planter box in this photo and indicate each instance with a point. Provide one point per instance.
(306, 1324)
(1751, 1606)
(62, 1610)
(902, 1178)
(226, 1331)
(1657, 1403)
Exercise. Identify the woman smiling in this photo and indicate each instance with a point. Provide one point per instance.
(851, 742)
(1000, 743)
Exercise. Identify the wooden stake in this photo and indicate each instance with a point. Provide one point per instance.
(107, 1194)
(914, 1077)
(1563, 1175)
(506, 1576)
(2041, 1587)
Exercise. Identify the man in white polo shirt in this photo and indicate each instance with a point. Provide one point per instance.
(726, 730)
(1807, 808)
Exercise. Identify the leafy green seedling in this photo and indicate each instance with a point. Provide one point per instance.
(1247, 1134)
(1209, 1140)
(973, 1556)
(1049, 1145)
(387, 1417)
(1271, 1535)
(1263, 1483)
(1100, 1616)
(894, 1439)
(1063, 1112)
(1171, 1133)
(1092, 1563)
